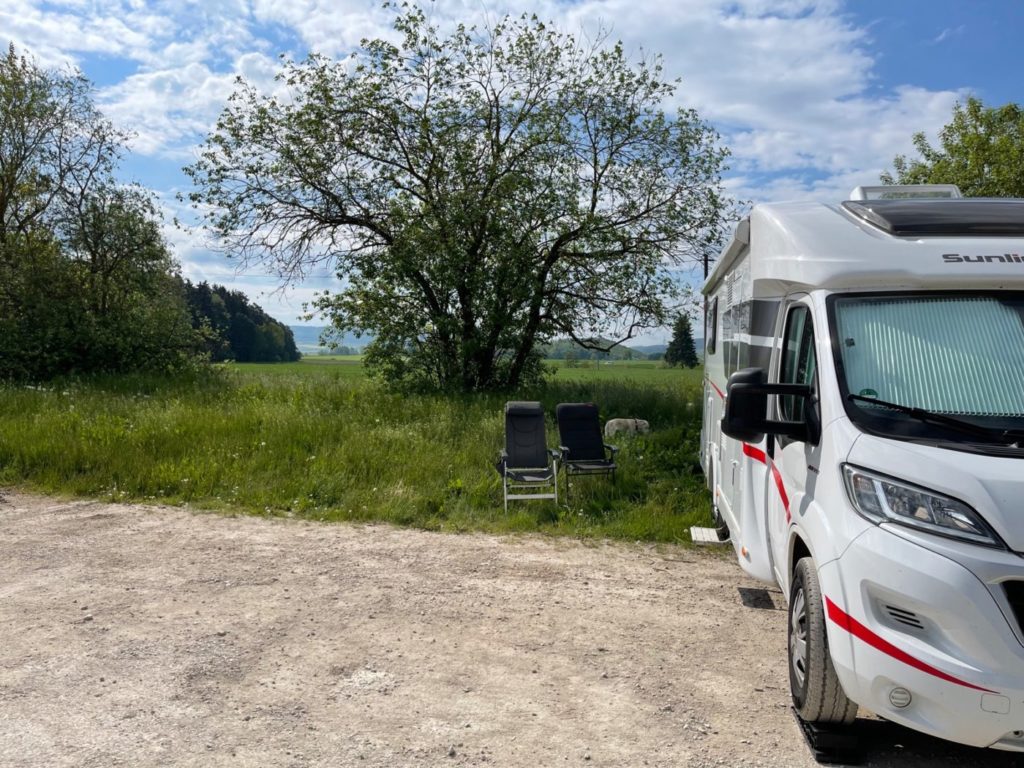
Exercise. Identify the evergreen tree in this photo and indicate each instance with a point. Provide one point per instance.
(681, 350)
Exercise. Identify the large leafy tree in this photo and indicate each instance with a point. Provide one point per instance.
(53, 143)
(134, 310)
(478, 193)
(86, 280)
(981, 151)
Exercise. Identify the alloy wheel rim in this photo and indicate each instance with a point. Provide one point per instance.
(798, 638)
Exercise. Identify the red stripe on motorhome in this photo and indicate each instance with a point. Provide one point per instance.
(782, 490)
(858, 630)
(755, 453)
(758, 455)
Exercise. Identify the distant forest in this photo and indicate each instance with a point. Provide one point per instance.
(234, 329)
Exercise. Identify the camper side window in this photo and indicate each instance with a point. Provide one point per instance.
(711, 326)
(799, 364)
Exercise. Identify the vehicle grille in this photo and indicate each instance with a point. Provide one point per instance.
(1015, 596)
(907, 618)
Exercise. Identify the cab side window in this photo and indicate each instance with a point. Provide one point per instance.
(799, 363)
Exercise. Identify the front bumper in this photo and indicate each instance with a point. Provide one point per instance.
(902, 616)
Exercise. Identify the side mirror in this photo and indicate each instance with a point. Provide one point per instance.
(746, 409)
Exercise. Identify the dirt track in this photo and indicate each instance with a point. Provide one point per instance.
(152, 636)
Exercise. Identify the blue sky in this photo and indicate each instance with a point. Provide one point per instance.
(813, 96)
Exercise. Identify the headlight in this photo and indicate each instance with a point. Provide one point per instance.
(883, 499)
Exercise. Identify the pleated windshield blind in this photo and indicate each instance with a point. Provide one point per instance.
(956, 355)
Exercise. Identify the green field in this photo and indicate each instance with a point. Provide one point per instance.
(317, 439)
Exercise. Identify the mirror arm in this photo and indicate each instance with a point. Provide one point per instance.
(796, 430)
(798, 390)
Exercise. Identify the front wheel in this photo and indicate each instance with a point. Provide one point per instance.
(817, 694)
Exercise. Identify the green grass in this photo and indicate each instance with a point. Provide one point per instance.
(318, 440)
(640, 372)
(347, 366)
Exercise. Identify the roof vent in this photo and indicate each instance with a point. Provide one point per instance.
(935, 217)
(906, 192)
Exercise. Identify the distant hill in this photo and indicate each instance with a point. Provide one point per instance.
(651, 349)
(559, 349)
(307, 339)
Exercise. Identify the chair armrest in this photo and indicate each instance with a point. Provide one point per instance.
(554, 454)
(564, 449)
(612, 448)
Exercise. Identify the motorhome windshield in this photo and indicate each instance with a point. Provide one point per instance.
(940, 361)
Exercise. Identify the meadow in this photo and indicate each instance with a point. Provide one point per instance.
(319, 440)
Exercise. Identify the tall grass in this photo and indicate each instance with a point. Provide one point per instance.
(323, 442)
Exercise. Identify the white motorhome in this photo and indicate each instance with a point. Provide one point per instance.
(863, 441)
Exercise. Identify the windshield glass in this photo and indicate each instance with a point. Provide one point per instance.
(959, 355)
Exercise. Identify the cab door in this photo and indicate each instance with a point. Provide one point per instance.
(793, 464)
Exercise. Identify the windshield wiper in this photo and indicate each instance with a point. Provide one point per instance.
(937, 418)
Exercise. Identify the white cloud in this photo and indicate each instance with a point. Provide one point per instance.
(171, 109)
(168, 110)
(790, 84)
(948, 33)
(57, 34)
(332, 27)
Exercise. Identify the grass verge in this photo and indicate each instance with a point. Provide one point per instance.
(324, 443)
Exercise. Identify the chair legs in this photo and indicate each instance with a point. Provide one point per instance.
(517, 490)
(568, 481)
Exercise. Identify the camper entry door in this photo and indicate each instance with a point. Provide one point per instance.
(790, 472)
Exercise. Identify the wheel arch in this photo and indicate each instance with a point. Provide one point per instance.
(797, 549)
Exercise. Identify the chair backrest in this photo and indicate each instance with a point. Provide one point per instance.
(525, 441)
(579, 430)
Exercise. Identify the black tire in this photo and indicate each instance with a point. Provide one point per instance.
(818, 696)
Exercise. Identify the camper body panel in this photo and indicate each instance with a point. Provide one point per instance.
(814, 246)
(783, 499)
(905, 616)
(740, 333)
(814, 522)
(992, 483)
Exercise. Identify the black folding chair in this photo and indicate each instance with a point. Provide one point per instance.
(528, 469)
(583, 450)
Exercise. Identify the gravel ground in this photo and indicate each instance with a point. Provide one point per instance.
(136, 635)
